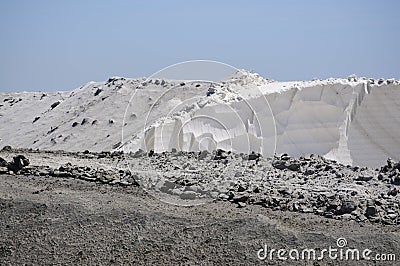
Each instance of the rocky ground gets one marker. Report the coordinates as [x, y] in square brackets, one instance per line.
[114, 208]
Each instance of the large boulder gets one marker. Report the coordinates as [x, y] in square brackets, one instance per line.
[19, 162]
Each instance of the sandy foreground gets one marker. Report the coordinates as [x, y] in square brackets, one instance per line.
[48, 219]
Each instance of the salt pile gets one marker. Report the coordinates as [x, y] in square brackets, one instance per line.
[353, 121]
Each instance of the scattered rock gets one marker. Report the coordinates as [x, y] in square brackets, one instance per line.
[97, 92]
[241, 188]
[370, 211]
[19, 162]
[393, 192]
[54, 105]
[395, 180]
[254, 156]
[309, 171]
[7, 148]
[348, 207]
[278, 184]
[240, 198]
[203, 155]
[210, 92]
[220, 154]
[3, 163]
[139, 153]
[188, 195]
[36, 119]
[365, 176]
[294, 167]
[279, 165]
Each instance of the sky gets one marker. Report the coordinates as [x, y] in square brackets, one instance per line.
[48, 45]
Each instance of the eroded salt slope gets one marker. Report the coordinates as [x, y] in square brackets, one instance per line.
[352, 121]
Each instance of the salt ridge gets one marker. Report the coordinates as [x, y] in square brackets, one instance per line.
[354, 121]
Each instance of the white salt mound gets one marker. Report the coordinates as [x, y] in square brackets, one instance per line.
[354, 121]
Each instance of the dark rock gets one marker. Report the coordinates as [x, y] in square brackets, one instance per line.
[241, 188]
[54, 105]
[284, 191]
[139, 153]
[210, 91]
[393, 192]
[285, 157]
[365, 176]
[309, 171]
[257, 190]
[223, 196]
[52, 129]
[390, 81]
[116, 145]
[3, 163]
[395, 180]
[36, 119]
[279, 165]
[19, 162]
[220, 154]
[294, 167]
[396, 166]
[97, 92]
[74, 124]
[3, 170]
[188, 195]
[240, 198]
[334, 204]
[7, 148]
[241, 204]
[202, 155]
[347, 207]
[371, 211]
[254, 156]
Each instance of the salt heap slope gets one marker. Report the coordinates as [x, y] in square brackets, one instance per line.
[88, 118]
[354, 121]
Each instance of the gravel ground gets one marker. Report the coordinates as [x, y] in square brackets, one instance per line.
[92, 209]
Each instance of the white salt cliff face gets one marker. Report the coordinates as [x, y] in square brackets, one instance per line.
[354, 121]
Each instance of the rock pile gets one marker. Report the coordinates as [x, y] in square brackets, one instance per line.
[308, 184]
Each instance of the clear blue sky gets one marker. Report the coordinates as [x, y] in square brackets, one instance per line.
[60, 45]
